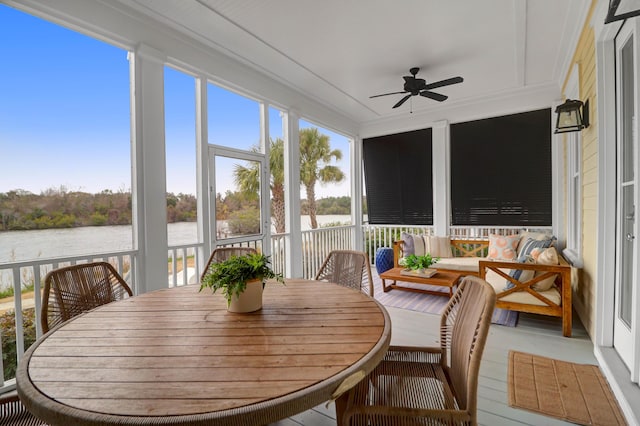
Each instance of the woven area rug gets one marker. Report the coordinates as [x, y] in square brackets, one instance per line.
[577, 393]
[428, 303]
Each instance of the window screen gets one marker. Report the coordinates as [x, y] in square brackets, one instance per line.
[501, 170]
[398, 178]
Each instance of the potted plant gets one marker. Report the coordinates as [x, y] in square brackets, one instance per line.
[419, 263]
[241, 279]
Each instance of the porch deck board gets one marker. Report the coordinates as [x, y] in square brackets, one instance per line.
[535, 334]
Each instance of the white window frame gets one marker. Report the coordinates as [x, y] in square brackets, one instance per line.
[574, 178]
[574, 195]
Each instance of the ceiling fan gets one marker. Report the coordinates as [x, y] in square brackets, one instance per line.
[418, 86]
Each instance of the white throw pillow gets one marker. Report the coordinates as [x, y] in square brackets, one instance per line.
[547, 257]
[438, 246]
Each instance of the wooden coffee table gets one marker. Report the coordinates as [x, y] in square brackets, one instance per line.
[445, 279]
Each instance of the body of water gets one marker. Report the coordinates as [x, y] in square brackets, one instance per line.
[19, 246]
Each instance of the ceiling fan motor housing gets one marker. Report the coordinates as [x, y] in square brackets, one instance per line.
[418, 86]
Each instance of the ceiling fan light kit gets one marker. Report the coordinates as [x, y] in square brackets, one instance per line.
[418, 87]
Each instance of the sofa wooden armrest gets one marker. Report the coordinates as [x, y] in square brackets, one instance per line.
[540, 304]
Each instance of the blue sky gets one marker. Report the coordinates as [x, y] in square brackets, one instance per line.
[64, 114]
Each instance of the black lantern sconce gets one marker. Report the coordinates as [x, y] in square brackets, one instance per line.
[573, 116]
[621, 9]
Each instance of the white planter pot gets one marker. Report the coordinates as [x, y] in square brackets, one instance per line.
[249, 300]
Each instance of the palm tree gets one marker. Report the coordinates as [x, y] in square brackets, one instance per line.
[315, 156]
[247, 180]
[315, 159]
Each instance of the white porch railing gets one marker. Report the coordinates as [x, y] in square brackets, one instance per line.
[180, 257]
[279, 252]
[318, 243]
[376, 236]
[483, 232]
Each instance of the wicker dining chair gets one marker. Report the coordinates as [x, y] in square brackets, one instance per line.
[348, 268]
[223, 253]
[429, 385]
[72, 290]
[13, 413]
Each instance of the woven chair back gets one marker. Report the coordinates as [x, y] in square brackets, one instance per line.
[348, 268]
[223, 253]
[464, 329]
[13, 413]
[72, 290]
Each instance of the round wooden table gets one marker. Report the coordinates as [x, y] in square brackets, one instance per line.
[177, 357]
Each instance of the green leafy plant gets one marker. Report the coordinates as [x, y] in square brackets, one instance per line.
[419, 262]
[231, 276]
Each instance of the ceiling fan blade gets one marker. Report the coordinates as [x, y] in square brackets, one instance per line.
[401, 101]
[386, 94]
[432, 95]
[441, 83]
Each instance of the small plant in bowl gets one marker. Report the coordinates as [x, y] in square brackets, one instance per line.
[419, 262]
[238, 275]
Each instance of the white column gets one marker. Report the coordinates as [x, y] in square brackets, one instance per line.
[202, 170]
[292, 194]
[441, 156]
[149, 205]
[356, 191]
[265, 190]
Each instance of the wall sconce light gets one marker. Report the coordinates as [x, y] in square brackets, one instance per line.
[621, 9]
[573, 116]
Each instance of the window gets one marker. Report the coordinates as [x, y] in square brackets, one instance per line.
[398, 178]
[574, 196]
[180, 139]
[237, 164]
[234, 120]
[276, 167]
[501, 171]
[324, 177]
[64, 136]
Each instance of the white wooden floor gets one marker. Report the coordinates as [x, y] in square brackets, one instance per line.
[534, 334]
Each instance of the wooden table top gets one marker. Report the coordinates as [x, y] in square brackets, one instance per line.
[447, 279]
[176, 356]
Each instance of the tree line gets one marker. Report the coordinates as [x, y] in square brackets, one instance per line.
[59, 208]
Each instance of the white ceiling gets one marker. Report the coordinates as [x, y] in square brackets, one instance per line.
[340, 52]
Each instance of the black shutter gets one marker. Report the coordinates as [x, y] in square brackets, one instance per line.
[501, 170]
[399, 179]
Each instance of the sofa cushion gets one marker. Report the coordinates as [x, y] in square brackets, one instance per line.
[530, 245]
[497, 282]
[408, 246]
[548, 257]
[522, 275]
[423, 244]
[463, 264]
[437, 246]
[503, 247]
[537, 236]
